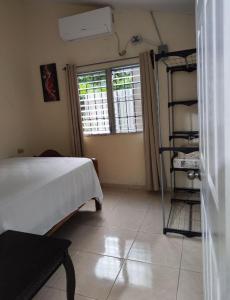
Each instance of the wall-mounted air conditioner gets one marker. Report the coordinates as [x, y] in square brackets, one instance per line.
[88, 24]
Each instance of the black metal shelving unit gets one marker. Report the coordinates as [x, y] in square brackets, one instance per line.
[183, 215]
[184, 134]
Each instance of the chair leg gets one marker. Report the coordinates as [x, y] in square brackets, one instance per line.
[70, 277]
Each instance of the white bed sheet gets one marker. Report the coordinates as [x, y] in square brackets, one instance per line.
[37, 193]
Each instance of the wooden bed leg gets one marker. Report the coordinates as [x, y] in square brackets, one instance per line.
[97, 205]
[95, 163]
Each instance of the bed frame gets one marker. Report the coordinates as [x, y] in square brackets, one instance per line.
[98, 206]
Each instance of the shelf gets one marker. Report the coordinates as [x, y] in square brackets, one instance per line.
[187, 135]
[183, 214]
[183, 68]
[181, 53]
[184, 60]
[186, 197]
[185, 150]
[186, 131]
[177, 61]
[184, 219]
[187, 190]
[186, 233]
[184, 102]
[182, 169]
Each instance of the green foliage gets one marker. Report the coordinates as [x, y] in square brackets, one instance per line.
[122, 81]
[92, 83]
[96, 83]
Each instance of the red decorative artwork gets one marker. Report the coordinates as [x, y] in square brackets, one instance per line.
[49, 82]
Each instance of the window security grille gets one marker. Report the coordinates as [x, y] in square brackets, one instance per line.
[110, 101]
[127, 99]
[93, 102]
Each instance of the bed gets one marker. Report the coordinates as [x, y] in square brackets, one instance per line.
[38, 193]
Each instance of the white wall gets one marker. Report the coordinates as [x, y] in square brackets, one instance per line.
[121, 157]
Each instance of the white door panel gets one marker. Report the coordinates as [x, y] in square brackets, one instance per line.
[213, 43]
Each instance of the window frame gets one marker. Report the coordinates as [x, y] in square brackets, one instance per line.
[110, 101]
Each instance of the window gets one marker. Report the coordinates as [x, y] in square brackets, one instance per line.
[93, 101]
[110, 100]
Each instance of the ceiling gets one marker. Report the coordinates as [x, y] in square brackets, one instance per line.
[185, 6]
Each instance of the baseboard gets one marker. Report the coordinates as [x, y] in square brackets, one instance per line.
[123, 186]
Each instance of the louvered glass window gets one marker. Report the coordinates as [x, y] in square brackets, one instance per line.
[110, 101]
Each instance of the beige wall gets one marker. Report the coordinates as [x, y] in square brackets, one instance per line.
[121, 158]
[14, 84]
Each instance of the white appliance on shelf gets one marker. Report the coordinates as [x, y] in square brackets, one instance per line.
[89, 24]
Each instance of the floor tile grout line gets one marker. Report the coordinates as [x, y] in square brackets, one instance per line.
[145, 214]
[55, 288]
[108, 227]
[134, 240]
[90, 298]
[139, 227]
[61, 290]
[64, 290]
[178, 282]
[146, 211]
[136, 232]
[126, 258]
[192, 271]
[130, 259]
[124, 261]
[99, 254]
[153, 264]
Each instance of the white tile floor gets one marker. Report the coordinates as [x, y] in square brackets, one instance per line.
[121, 254]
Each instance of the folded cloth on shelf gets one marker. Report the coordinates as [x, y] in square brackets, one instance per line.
[187, 161]
[191, 143]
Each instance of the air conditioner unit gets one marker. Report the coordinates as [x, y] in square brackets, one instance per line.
[89, 24]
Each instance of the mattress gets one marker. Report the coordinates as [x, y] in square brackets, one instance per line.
[37, 193]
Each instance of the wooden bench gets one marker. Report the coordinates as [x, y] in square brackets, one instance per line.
[27, 261]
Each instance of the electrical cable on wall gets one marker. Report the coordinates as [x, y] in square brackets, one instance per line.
[134, 40]
[124, 51]
[156, 27]
[138, 39]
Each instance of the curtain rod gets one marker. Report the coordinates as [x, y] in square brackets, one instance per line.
[105, 62]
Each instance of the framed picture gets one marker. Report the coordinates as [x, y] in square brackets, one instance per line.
[49, 82]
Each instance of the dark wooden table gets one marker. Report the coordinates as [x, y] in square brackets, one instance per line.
[27, 261]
